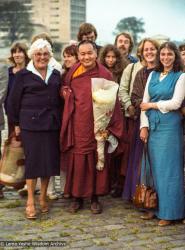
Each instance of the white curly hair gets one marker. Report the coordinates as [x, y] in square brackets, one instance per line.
[39, 44]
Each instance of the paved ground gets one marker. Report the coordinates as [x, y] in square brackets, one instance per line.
[119, 227]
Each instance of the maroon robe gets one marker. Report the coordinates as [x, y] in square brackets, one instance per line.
[78, 144]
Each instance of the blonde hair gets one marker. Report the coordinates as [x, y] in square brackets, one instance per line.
[141, 46]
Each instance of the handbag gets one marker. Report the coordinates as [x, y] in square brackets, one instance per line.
[145, 195]
[12, 164]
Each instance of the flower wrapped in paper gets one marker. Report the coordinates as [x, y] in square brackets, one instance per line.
[104, 94]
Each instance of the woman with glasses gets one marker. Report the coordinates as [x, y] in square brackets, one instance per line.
[35, 109]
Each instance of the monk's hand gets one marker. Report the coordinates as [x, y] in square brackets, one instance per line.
[64, 91]
[144, 134]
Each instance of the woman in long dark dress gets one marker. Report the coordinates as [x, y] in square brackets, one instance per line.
[148, 51]
[34, 108]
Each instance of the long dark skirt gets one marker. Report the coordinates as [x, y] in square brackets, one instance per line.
[119, 163]
[41, 152]
[136, 152]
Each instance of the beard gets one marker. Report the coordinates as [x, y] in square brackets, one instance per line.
[123, 50]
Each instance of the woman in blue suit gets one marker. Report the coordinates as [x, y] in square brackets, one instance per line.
[34, 107]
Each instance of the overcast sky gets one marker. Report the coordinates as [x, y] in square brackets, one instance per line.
[165, 17]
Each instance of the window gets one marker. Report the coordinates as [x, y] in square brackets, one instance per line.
[54, 30]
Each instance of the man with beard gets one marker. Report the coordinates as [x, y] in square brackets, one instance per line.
[124, 42]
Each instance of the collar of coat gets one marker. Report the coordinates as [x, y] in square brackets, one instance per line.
[32, 68]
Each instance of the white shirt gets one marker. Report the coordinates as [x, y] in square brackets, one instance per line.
[167, 105]
[31, 68]
[55, 65]
[52, 64]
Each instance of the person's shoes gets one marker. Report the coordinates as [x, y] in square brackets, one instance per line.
[164, 223]
[52, 196]
[76, 205]
[148, 216]
[116, 193]
[44, 207]
[1, 194]
[96, 207]
[31, 212]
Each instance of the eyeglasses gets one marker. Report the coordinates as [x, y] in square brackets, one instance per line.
[39, 54]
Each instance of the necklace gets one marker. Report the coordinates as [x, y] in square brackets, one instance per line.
[164, 73]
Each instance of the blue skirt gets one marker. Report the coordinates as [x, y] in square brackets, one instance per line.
[42, 153]
[165, 147]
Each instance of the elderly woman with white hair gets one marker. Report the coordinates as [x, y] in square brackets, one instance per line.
[35, 109]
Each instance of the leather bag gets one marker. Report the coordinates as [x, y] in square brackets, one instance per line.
[145, 195]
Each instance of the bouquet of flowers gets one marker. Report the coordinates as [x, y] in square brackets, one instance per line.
[104, 94]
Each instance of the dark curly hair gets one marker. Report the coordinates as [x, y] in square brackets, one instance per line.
[182, 47]
[120, 63]
[177, 65]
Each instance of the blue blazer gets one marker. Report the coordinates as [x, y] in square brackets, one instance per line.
[34, 105]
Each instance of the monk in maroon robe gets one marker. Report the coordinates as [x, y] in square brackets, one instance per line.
[78, 144]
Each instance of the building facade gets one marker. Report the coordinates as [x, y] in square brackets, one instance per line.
[60, 18]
